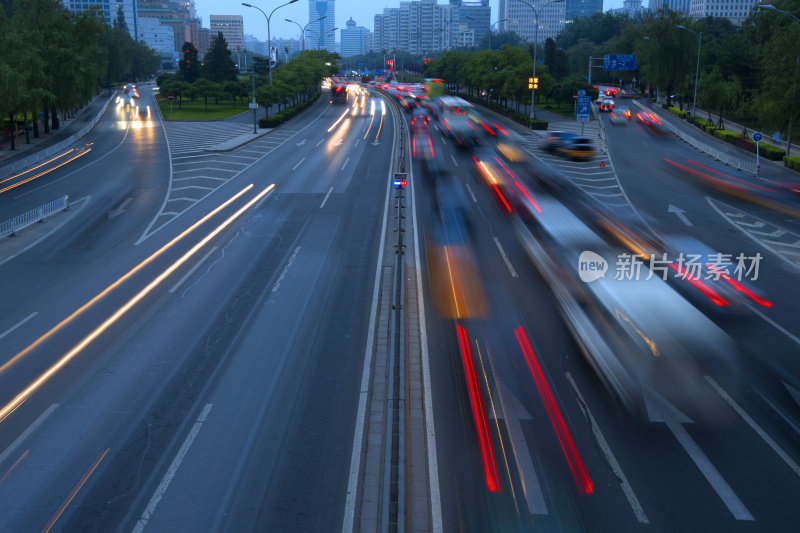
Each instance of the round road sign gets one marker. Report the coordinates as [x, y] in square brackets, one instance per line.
[757, 136]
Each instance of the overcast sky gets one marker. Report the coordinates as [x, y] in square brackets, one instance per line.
[362, 11]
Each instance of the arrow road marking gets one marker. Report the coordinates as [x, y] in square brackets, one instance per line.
[301, 143]
[513, 411]
[121, 209]
[660, 410]
[680, 213]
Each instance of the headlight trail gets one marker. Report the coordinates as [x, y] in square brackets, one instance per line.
[38, 166]
[30, 389]
[338, 120]
[121, 280]
[31, 178]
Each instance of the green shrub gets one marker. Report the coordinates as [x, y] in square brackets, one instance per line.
[725, 135]
[792, 161]
[678, 112]
[772, 153]
[279, 118]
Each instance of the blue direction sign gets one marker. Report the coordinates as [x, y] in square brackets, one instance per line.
[619, 62]
[757, 136]
[583, 111]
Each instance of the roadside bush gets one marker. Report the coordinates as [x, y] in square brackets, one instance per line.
[678, 112]
[725, 135]
[765, 150]
[792, 161]
[279, 118]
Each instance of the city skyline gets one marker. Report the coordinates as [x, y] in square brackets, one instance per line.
[362, 11]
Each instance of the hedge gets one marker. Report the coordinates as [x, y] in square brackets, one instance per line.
[725, 135]
[520, 118]
[678, 112]
[279, 118]
[792, 161]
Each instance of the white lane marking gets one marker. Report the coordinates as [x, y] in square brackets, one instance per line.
[612, 460]
[191, 270]
[24, 435]
[348, 521]
[712, 475]
[173, 469]
[474, 199]
[298, 163]
[775, 324]
[326, 198]
[752, 423]
[454, 160]
[286, 270]
[18, 324]
[345, 163]
[505, 258]
[321, 141]
[357, 141]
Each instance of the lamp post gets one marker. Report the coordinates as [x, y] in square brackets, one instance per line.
[269, 37]
[796, 66]
[490, 28]
[535, 45]
[697, 70]
[303, 33]
[325, 35]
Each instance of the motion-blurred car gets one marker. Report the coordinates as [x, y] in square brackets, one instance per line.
[620, 116]
[607, 104]
[554, 140]
[579, 148]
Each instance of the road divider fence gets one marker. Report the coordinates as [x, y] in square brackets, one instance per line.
[728, 159]
[12, 226]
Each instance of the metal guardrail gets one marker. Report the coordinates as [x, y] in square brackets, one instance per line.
[20, 222]
[728, 159]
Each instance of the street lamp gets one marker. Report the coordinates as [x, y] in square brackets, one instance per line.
[490, 27]
[325, 35]
[796, 65]
[697, 70]
[303, 33]
[269, 38]
[535, 45]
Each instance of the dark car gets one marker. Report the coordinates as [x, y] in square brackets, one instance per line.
[555, 140]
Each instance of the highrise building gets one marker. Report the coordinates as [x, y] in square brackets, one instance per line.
[352, 38]
[521, 19]
[320, 34]
[476, 15]
[159, 37]
[231, 27]
[178, 15]
[581, 8]
[109, 11]
[734, 10]
[632, 8]
[418, 27]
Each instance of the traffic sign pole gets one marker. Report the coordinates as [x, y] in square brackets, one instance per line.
[757, 136]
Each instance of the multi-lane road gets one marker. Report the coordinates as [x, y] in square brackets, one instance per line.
[184, 349]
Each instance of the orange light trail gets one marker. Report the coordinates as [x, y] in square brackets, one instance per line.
[729, 176]
[121, 280]
[39, 165]
[74, 491]
[31, 178]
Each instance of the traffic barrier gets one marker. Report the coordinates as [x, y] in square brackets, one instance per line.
[38, 214]
[747, 166]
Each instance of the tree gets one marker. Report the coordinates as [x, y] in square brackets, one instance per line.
[205, 88]
[217, 63]
[188, 68]
[119, 22]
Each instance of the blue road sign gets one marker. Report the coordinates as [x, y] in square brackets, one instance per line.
[583, 112]
[757, 136]
[379, 72]
[619, 62]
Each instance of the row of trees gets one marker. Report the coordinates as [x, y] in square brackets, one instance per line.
[292, 82]
[52, 60]
[746, 72]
